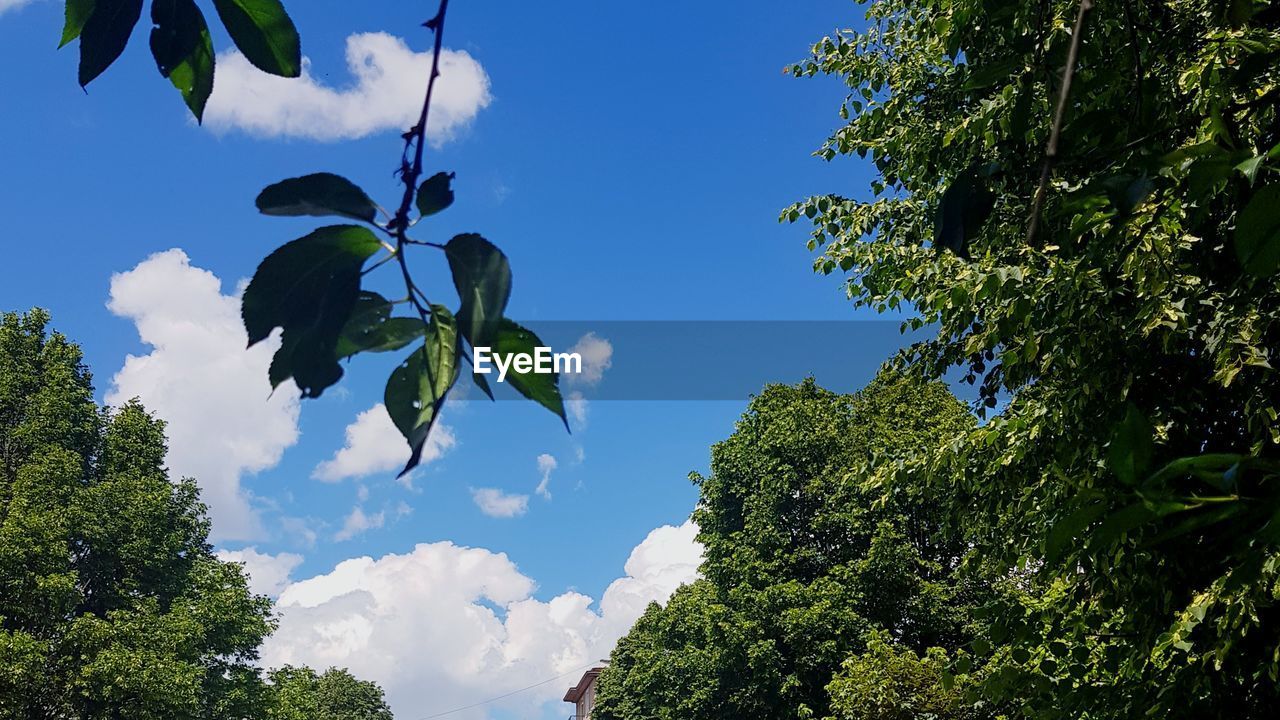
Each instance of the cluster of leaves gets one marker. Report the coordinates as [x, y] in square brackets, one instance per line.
[808, 570]
[112, 602]
[300, 693]
[311, 289]
[180, 39]
[1132, 471]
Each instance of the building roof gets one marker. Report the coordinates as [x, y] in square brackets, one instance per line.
[575, 692]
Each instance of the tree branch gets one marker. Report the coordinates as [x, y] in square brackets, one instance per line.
[1051, 150]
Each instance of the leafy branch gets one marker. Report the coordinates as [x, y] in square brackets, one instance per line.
[311, 288]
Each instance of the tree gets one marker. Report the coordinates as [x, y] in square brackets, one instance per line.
[1081, 199]
[807, 566]
[299, 693]
[112, 603]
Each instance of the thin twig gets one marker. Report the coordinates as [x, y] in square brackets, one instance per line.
[1051, 150]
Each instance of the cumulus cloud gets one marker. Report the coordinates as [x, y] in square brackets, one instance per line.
[495, 503]
[359, 522]
[389, 82]
[546, 464]
[374, 445]
[268, 574]
[443, 626]
[223, 419]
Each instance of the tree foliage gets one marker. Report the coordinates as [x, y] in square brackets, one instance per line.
[807, 566]
[300, 693]
[1127, 318]
[112, 603]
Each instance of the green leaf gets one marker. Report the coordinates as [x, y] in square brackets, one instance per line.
[1249, 168]
[482, 277]
[77, 13]
[1132, 446]
[1119, 523]
[308, 287]
[105, 34]
[1067, 529]
[542, 388]
[965, 206]
[1258, 232]
[1126, 192]
[992, 73]
[372, 329]
[435, 194]
[417, 388]
[264, 33]
[318, 194]
[183, 50]
[483, 384]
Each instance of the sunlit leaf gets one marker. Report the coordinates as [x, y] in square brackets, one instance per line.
[482, 277]
[262, 30]
[77, 13]
[417, 388]
[542, 388]
[308, 288]
[183, 50]
[318, 194]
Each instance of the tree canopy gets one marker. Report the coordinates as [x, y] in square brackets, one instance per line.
[112, 602]
[806, 567]
[1081, 199]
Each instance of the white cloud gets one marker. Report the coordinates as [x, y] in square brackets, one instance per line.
[223, 419]
[546, 464]
[268, 574]
[495, 503]
[374, 445]
[389, 84]
[424, 626]
[577, 406]
[7, 5]
[359, 522]
[597, 356]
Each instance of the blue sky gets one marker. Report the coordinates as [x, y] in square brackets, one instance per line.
[631, 159]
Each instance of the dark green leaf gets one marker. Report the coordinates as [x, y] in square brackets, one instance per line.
[183, 49]
[319, 194]
[965, 206]
[482, 276]
[1126, 192]
[1196, 521]
[992, 73]
[1132, 446]
[1258, 232]
[1067, 529]
[1117, 524]
[372, 329]
[435, 194]
[77, 13]
[308, 287]
[264, 33]
[417, 388]
[105, 35]
[542, 388]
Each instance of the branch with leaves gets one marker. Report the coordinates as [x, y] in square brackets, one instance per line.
[312, 288]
